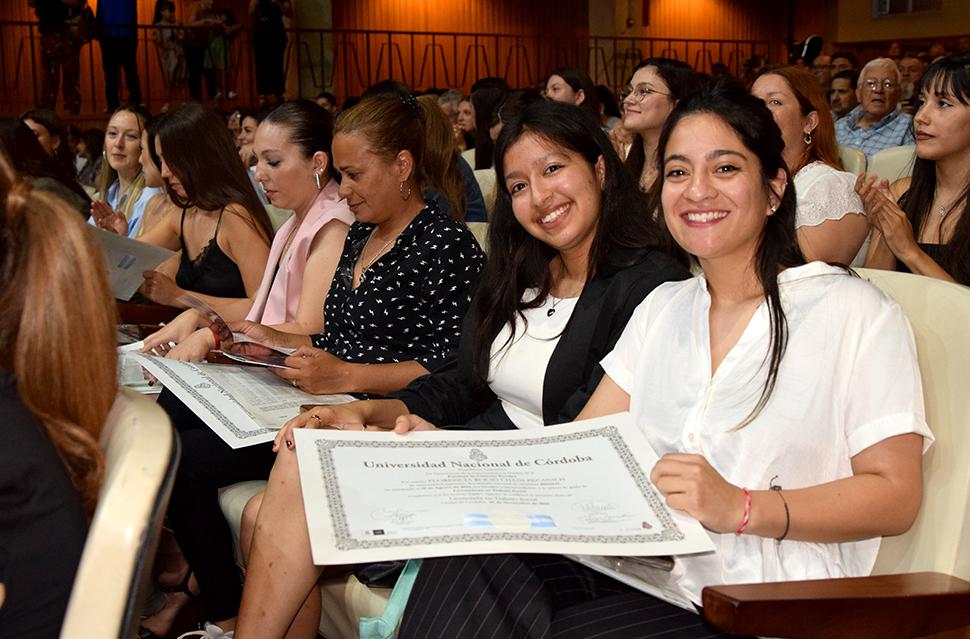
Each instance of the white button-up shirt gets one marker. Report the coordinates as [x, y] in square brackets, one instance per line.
[849, 379]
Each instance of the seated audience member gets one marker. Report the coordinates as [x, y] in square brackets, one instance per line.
[293, 150]
[844, 61]
[466, 122]
[928, 231]
[842, 93]
[450, 179]
[609, 107]
[911, 70]
[754, 330]
[248, 123]
[218, 226]
[44, 172]
[573, 86]
[121, 183]
[89, 149]
[57, 384]
[655, 87]
[829, 220]
[50, 133]
[822, 71]
[449, 102]
[328, 101]
[878, 122]
[157, 206]
[393, 313]
[531, 342]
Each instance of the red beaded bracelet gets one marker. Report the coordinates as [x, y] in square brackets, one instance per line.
[747, 512]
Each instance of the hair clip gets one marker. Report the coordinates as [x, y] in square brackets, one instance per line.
[412, 104]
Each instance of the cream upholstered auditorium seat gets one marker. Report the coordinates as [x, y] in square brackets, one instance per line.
[141, 454]
[277, 216]
[893, 163]
[480, 231]
[486, 182]
[920, 583]
[853, 160]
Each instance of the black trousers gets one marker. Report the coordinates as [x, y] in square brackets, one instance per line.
[268, 55]
[117, 54]
[536, 597]
[205, 538]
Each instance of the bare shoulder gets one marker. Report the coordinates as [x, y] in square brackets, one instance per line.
[333, 233]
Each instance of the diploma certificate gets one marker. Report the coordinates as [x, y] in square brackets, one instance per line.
[580, 488]
[244, 405]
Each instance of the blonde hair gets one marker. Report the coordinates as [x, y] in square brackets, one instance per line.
[108, 175]
[57, 325]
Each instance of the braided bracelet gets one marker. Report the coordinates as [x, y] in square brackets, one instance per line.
[747, 512]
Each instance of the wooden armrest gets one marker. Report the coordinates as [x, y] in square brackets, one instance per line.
[909, 605]
[129, 313]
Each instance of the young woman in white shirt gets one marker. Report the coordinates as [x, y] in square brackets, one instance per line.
[764, 372]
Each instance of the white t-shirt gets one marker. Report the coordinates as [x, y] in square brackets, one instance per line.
[848, 379]
[518, 369]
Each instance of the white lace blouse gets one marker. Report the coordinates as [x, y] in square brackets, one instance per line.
[823, 194]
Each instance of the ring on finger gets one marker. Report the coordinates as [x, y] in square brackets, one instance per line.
[316, 417]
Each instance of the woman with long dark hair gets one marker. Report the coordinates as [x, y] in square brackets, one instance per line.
[570, 257]
[714, 369]
[928, 231]
[573, 86]
[218, 224]
[655, 88]
[487, 95]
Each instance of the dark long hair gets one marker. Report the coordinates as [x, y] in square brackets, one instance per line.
[198, 148]
[950, 76]
[681, 79]
[309, 126]
[579, 80]
[517, 260]
[31, 160]
[487, 95]
[751, 120]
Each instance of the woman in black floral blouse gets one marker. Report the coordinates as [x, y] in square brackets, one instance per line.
[394, 312]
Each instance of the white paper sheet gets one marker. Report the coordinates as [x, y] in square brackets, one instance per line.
[244, 405]
[127, 259]
[580, 488]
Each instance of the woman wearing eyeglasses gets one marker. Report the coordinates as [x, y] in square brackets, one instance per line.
[655, 88]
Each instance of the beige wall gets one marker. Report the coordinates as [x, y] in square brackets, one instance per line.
[856, 24]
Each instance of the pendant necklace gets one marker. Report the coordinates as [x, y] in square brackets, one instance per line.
[555, 302]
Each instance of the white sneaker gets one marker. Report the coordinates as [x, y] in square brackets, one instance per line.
[211, 631]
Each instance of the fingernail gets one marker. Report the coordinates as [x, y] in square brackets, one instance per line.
[289, 444]
[150, 383]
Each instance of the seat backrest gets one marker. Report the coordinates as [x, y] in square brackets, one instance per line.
[141, 455]
[486, 182]
[480, 231]
[853, 160]
[893, 163]
[939, 312]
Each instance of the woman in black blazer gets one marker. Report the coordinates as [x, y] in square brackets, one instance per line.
[572, 252]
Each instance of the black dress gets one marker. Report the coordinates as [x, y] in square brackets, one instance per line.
[269, 47]
[212, 272]
[42, 524]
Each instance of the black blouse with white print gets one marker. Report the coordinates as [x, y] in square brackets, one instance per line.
[411, 302]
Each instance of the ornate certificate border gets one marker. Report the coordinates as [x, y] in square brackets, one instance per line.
[343, 540]
[213, 412]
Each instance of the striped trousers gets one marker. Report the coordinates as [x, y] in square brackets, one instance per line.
[536, 597]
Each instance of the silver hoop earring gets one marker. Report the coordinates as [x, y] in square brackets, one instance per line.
[316, 178]
[405, 195]
[808, 138]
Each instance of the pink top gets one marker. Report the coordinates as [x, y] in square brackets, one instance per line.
[279, 294]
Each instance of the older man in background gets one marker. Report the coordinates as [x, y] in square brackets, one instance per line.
[878, 122]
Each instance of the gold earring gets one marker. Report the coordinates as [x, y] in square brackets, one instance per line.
[405, 195]
[808, 138]
[316, 178]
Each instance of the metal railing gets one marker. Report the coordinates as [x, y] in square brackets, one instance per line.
[346, 61]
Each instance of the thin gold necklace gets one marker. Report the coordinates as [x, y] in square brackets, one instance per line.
[377, 256]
